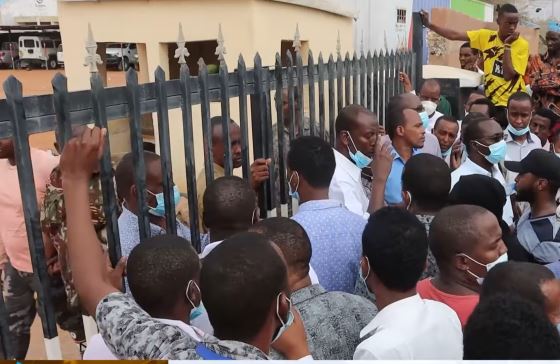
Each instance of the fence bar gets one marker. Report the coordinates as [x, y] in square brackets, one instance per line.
[107, 181]
[398, 68]
[281, 147]
[332, 113]
[223, 74]
[369, 80]
[291, 96]
[14, 98]
[188, 144]
[300, 99]
[390, 69]
[206, 124]
[242, 79]
[60, 99]
[375, 85]
[269, 142]
[311, 81]
[363, 84]
[347, 79]
[356, 80]
[165, 152]
[382, 88]
[321, 74]
[339, 83]
[137, 151]
[417, 46]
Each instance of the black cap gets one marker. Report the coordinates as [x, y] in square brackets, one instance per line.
[539, 162]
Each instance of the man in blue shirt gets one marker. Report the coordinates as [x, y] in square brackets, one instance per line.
[334, 231]
[407, 132]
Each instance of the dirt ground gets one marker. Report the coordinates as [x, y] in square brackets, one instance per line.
[38, 82]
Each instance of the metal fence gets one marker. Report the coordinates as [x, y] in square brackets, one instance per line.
[324, 86]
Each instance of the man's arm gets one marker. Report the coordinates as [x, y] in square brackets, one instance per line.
[381, 168]
[509, 71]
[450, 34]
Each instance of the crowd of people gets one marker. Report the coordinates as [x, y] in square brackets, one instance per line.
[425, 238]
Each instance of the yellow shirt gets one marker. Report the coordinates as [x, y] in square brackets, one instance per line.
[498, 90]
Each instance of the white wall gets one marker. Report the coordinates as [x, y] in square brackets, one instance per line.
[9, 9]
[377, 21]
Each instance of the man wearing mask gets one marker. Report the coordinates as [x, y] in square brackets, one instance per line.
[485, 145]
[519, 139]
[537, 183]
[430, 95]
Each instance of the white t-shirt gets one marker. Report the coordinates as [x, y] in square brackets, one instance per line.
[346, 186]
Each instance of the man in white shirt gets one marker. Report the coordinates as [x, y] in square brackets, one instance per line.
[395, 248]
[430, 95]
[160, 289]
[485, 145]
[519, 139]
[446, 131]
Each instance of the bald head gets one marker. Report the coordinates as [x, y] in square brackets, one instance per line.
[347, 119]
[430, 90]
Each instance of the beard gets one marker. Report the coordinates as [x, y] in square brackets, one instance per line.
[526, 195]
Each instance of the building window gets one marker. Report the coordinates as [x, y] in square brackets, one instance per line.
[401, 16]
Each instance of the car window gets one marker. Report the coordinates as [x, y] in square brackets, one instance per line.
[28, 43]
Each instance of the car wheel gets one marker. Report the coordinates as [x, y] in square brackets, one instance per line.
[53, 63]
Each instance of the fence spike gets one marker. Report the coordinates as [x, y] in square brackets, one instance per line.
[220, 49]
[181, 52]
[92, 59]
[297, 40]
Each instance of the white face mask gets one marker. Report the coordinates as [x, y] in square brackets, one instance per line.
[429, 107]
[501, 259]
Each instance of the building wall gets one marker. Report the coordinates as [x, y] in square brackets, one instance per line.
[248, 26]
[10, 9]
[473, 8]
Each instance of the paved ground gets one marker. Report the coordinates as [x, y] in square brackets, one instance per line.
[38, 82]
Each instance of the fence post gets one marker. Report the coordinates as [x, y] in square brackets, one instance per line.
[224, 96]
[321, 77]
[347, 79]
[311, 82]
[60, 98]
[281, 147]
[355, 80]
[206, 124]
[14, 98]
[332, 113]
[241, 80]
[417, 46]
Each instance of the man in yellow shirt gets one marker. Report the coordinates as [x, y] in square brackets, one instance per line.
[504, 52]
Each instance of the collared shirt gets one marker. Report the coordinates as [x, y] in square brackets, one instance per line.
[129, 231]
[540, 236]
[393, 188]
[98, 350]
[131, 333]
[336, 241]
[346, 186]
[332, 321]
[516, 151]
[412, 329]
[469, 167]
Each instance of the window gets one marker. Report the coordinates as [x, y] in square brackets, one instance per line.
[28, 43]
[401, 16]
[132, 46]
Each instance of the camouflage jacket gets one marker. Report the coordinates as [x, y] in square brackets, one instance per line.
[53, 223]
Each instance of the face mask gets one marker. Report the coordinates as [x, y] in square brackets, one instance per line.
[425, 119]
[501, 259]
[367, 274]
[409, 200]
[360, 159]
[289, 319]
[497, 151]
[429, 107]
[293, 193]
[517, 132]
[159, 210]
[197, 310]
[446, 153]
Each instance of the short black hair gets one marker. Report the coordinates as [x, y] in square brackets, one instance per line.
[430, 82]
[345, 120]
[428, 179]
[124, 173]
[548, 114]
[508, 327]
[161, 266]
[473, 130]
[506, 8]
[228, 203]
[520, 96]
[217, 121]
[290, 237]
[396, 245]
[452, 232]
[446, 118]
[468, 45]
[487, 102]
[313, 159]
[520, 278]
[240, 280]
[395, 114]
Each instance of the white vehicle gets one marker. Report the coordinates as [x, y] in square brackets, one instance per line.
[121, 55]
[60, 56]
[41, 51]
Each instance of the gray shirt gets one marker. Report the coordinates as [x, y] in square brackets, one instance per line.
[332, 321]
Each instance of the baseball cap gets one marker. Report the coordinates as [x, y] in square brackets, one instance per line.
[539, 162]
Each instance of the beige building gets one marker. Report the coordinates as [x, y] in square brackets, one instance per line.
[248, 26]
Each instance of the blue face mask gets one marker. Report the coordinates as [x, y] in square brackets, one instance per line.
[197, 310]
[289, 320]
[159, 210]
[360, 159]
[293, 193]
[425, 119]
[517, 132]
[497, 151]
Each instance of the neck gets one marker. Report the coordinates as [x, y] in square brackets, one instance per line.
[298, 284]
[454, 285]
[520, 138]
[417, 210]
[314, 195]
[217, 234]
[341, 148]
[543, 207]
[385, 297]
[481, 161]
[403, 149]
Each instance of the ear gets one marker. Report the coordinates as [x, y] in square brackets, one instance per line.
[542, 184]
[460, 262]
[283, 307]
[344, 138]
[193, 295]
[132, 192]
[406, 198]
[399, 130]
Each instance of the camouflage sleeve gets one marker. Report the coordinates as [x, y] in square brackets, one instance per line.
[130, 333]
[52, 210]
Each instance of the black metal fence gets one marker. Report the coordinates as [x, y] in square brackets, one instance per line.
[324, 88]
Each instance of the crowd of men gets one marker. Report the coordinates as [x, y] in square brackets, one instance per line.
[425, 238]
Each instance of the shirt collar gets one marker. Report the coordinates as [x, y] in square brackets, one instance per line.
[509, 137]
[133, 219]
[307, 293]
[319, 205]
[476, 169]
[389, 313]
[396, 154]
[347, 165]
